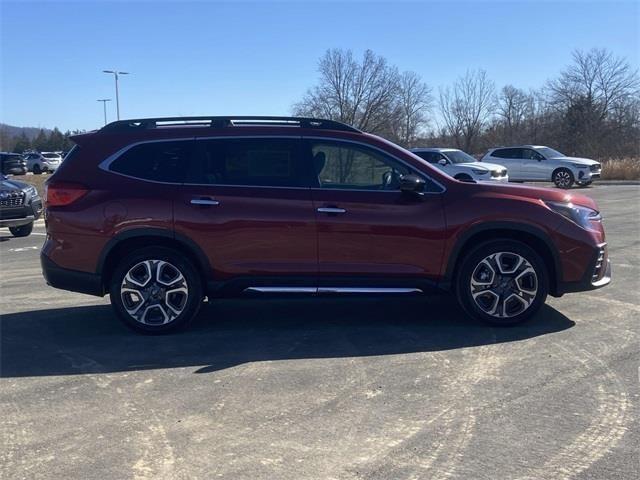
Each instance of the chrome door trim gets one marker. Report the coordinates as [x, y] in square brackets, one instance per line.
[204, 201]
[333, 210]
[281, 289]
[361, 290]
[367, 290]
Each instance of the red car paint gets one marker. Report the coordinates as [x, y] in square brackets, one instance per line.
[277, 233]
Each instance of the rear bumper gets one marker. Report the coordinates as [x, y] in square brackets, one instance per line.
[597, 275]
[71, 280]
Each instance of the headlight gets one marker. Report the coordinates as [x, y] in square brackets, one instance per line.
[477, 171]
[582, 216]
[580, 165]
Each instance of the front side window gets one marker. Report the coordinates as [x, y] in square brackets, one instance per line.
[550, 152]
[268, 162]
[431, 157]
[346, 166]
[157, 161]
[529, 154]
[458, 156]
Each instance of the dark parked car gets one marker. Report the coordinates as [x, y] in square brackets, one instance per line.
[20, 206]
[12, 163]
[160, 213]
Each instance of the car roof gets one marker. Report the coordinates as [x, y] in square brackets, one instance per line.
[434, 149]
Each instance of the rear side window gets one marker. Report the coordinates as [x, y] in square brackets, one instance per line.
[265, 162]
[157, 161]
[507, 153]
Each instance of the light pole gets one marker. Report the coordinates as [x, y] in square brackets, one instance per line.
[104, 105]
[115, 75]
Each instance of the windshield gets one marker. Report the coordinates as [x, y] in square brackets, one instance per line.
[458, 156]
[549, 152]
[50, 155]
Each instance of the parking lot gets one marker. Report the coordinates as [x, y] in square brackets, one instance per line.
[310, 388]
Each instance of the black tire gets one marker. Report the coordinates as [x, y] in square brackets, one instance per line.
[505, 313]
[463, 178]
[563, 178]
[176, 262]
[36, 169]
[22, 231]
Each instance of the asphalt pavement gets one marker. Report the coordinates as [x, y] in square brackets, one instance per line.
[323, 388]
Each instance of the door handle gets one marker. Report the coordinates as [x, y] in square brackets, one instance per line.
[331, 210]
[205, 201]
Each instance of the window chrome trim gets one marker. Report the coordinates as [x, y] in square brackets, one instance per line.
[106, 163]
[403, 162]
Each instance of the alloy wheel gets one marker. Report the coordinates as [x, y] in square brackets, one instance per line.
[154, 292]
[563, 179]
[504, 284]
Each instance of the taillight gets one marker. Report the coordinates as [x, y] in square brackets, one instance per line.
[60, 194]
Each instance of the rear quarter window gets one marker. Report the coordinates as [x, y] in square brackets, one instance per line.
[156, 161]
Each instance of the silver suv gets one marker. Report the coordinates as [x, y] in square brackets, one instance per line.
[539, 163]
[461, 165]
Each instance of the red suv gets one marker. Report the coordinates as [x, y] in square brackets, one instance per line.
[161, 213]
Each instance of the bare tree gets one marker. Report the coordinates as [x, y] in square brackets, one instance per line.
[592, 94]
[598, 78]
[413, 103]
[466, 107]
[361, 93]
[514, 106]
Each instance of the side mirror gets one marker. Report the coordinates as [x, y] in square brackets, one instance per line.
[442, 162]
[412, 184]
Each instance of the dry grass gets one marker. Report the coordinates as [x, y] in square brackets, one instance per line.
[36, 180]
[621, 169]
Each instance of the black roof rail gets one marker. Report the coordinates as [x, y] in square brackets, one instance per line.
[222, 122]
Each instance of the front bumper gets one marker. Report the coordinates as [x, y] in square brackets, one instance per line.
[21, 215]
[597, 275]
[17, 222]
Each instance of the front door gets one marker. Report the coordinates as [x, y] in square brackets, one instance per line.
[370, 233]
[247, 204]
[534, 165]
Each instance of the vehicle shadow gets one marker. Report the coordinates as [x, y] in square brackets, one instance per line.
[89, 339]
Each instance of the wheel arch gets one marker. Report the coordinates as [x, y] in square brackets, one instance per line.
[529, 235]
[130, 240]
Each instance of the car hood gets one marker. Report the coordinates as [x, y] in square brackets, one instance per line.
[539, 193]
[13, 185]
[486, 165]
[583, 161]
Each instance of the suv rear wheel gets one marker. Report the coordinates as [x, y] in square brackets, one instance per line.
[502, 282]
[156, 290]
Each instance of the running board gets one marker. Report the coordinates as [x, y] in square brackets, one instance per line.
[359, 290]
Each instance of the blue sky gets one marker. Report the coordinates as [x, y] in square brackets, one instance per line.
[197, 58]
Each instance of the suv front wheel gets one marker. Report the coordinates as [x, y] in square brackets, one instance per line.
[563, 178]
[502, 282]
[156, 290]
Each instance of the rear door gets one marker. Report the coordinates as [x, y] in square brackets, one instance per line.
[510, 158]
[370, 233]
[247, 203]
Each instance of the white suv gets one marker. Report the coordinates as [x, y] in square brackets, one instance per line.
[538, 163]
[460, 165]
[43, 162]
